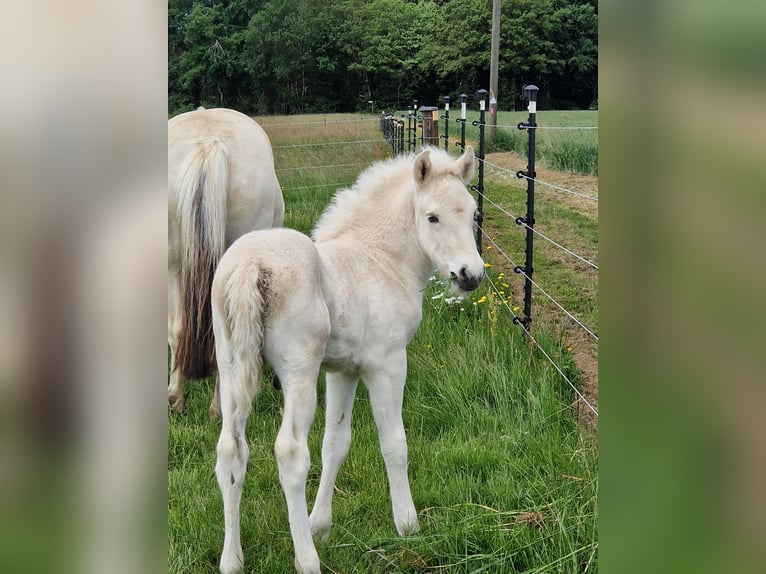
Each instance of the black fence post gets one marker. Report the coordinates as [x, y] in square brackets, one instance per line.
[410, 114]
[481, 95]
[461, 120]
[401, 135]
[445, 117]
[530, 94]
[388, 125]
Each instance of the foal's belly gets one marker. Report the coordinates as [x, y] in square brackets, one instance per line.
[340, 358]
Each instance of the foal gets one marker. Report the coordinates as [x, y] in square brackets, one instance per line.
[347, 303]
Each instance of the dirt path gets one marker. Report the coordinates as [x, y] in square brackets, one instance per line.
[583, 347]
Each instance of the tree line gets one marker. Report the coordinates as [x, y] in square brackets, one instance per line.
[307, 56]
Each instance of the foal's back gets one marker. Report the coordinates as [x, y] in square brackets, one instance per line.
[281, 267]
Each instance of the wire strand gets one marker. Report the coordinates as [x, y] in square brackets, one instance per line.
[523, 274]
[321, 166]
[380, 140]
[591, 197]
[547, 356]
[536, 232]
[338, 185]
[325, 122]
[506, 170]
[528, 127]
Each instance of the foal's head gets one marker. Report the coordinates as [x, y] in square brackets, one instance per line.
[444, 216]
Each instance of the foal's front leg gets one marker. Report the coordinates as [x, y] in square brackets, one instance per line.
[386, 388]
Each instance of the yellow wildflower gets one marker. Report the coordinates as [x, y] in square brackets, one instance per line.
[487, 265]
[516, 308]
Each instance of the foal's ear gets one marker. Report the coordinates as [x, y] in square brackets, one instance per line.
[422, 168]
[466, 163]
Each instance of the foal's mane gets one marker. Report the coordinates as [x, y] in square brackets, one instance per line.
[379, 186]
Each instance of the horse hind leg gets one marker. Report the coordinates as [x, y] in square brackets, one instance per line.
[237, 386]
[292, 453]
[176, 399]
[232, 452]
[215, 404]
[176, 383]
[238, 380]
[341, 390]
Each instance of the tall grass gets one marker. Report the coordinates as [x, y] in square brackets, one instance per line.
[502, 476]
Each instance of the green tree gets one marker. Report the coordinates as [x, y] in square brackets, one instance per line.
[287, 56]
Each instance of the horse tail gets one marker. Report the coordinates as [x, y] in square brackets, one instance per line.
[243, 313]
[202, 190]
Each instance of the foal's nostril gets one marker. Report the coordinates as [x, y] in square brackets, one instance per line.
[467, 281]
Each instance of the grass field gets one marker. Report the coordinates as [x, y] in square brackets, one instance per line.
[574, 151]
[502, 474]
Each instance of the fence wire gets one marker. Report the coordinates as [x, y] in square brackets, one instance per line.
[528, 127]
[540, 347]
[287, 146]
[316, 123]
[536, 232]
[495, 245]
[556, 187]
[519, 269]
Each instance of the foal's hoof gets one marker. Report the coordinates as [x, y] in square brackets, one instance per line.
[408, 528]
[232, 564]
[176, 402]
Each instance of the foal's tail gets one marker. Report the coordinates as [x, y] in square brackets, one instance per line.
[243, 313]
[202, 186]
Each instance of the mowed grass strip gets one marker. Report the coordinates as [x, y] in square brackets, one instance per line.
[503, 477]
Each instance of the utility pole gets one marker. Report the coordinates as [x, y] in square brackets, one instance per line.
[494, 60]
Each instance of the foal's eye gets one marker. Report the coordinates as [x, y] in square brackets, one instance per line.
[433, 219]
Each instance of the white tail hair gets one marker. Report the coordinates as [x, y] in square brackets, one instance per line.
[246, 307]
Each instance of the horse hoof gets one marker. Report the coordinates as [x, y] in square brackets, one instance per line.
[176, 403]
[311, 567]
[408, 528]
[232, 564]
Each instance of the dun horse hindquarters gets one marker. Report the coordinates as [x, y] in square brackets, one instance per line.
[221, 184]
[348, 303]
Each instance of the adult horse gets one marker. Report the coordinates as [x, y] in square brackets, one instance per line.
[221, 184]
[347, 302]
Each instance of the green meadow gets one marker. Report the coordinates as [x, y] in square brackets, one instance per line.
[503, 474]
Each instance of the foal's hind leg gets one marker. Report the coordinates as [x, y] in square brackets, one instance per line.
[232, 452]
[386, 388]
[341, 389]
[292, 452]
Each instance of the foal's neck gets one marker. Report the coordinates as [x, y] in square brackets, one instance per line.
[399, 246]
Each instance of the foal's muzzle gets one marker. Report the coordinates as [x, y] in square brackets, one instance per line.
[466, 280]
